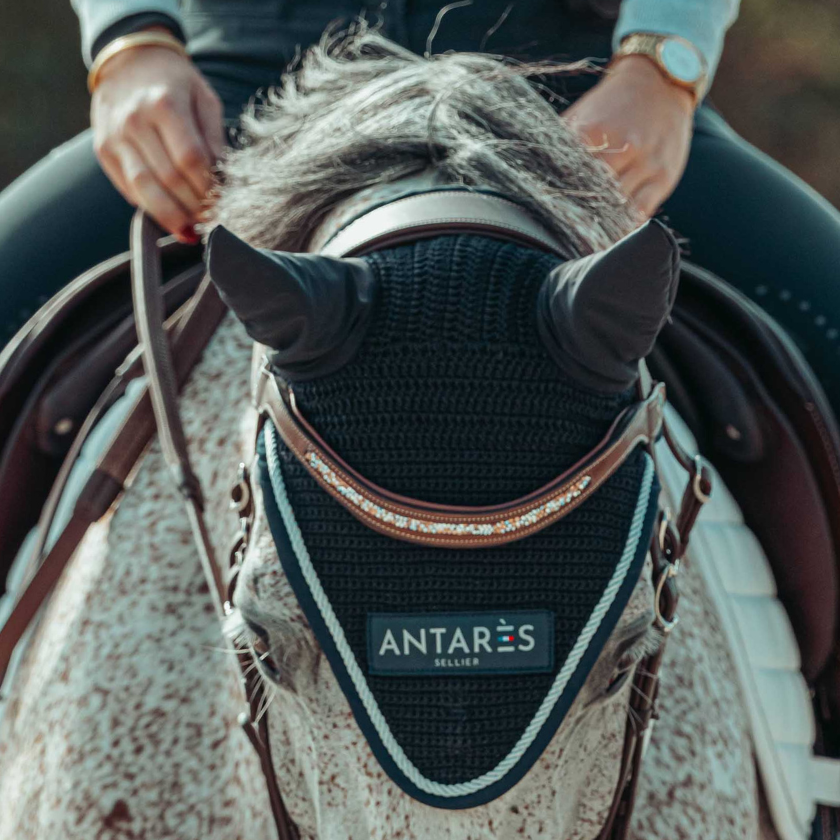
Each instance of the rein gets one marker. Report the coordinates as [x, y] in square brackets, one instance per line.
[145, 287]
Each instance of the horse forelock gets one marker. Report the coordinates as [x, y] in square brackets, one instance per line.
[360, 110]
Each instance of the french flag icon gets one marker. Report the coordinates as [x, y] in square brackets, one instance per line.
[505, 636]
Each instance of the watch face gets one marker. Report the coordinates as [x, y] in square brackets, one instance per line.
[681, 60]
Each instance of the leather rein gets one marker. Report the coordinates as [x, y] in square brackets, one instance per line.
[168, 355]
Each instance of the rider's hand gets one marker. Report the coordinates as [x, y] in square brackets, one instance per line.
[157, 127]
[640, 124]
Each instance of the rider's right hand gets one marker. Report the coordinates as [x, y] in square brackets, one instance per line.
[157, 128]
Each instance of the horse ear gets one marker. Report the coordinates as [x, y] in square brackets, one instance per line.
[599, 315]
[312, 311]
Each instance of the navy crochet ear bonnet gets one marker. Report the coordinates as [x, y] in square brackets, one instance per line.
[459, 666]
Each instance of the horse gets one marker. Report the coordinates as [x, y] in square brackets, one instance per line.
[439, 368]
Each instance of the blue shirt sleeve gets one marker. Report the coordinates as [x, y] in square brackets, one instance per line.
[95, 16]
[703, 22]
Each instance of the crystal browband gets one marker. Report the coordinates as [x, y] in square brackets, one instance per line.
[480, 529]
[427, 523]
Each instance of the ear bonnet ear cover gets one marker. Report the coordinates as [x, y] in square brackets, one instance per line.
[312, 311]
[459, 665]
[599, 315]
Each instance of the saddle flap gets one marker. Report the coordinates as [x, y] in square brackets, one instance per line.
[52, 373]
[753, 404]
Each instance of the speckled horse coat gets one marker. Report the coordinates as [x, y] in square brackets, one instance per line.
[122, 722]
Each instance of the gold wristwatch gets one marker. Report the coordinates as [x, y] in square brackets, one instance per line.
[676, 58]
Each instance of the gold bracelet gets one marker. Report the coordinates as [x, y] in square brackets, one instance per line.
[128, 42]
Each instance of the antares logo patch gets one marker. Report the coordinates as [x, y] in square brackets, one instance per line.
[512, 642]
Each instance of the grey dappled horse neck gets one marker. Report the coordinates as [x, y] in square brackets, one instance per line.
[450, 393]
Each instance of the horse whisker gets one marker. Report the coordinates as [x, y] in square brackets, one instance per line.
[269, 699]
[228, 650]
[635, 720]
[648, 698]
[646, 673]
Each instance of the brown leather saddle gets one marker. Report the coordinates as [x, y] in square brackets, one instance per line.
[738, 381]
[59, 366]
[761, 417]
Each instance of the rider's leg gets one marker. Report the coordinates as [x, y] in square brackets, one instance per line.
[762, 229]
[57, 219]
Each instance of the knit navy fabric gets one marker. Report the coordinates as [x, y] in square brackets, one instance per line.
[453, 399]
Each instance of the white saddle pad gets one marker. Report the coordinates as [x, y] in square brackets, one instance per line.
[739, 579]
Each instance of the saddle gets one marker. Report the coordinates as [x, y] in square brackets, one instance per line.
[741, 385]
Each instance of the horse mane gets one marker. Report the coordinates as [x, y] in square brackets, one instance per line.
[358, 109]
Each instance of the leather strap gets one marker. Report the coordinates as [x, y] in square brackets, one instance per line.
[157, 359]
[191, 329]
[442, 211]
[412, 520]
[130, 368]
[668, 545]
[145, 276]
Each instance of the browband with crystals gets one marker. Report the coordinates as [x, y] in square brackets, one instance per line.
[453, 526]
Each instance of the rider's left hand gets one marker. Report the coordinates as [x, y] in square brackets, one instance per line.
[640, 124]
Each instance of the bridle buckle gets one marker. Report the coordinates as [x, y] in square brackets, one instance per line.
[665, 599]
[667, 567]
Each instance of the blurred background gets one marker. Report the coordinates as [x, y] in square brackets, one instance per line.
[778, 84]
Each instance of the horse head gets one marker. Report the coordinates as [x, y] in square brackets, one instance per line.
[463, 371]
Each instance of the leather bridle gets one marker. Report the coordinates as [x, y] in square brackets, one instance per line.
[169, 353]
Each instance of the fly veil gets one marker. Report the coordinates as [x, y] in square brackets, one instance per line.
[460, 624]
